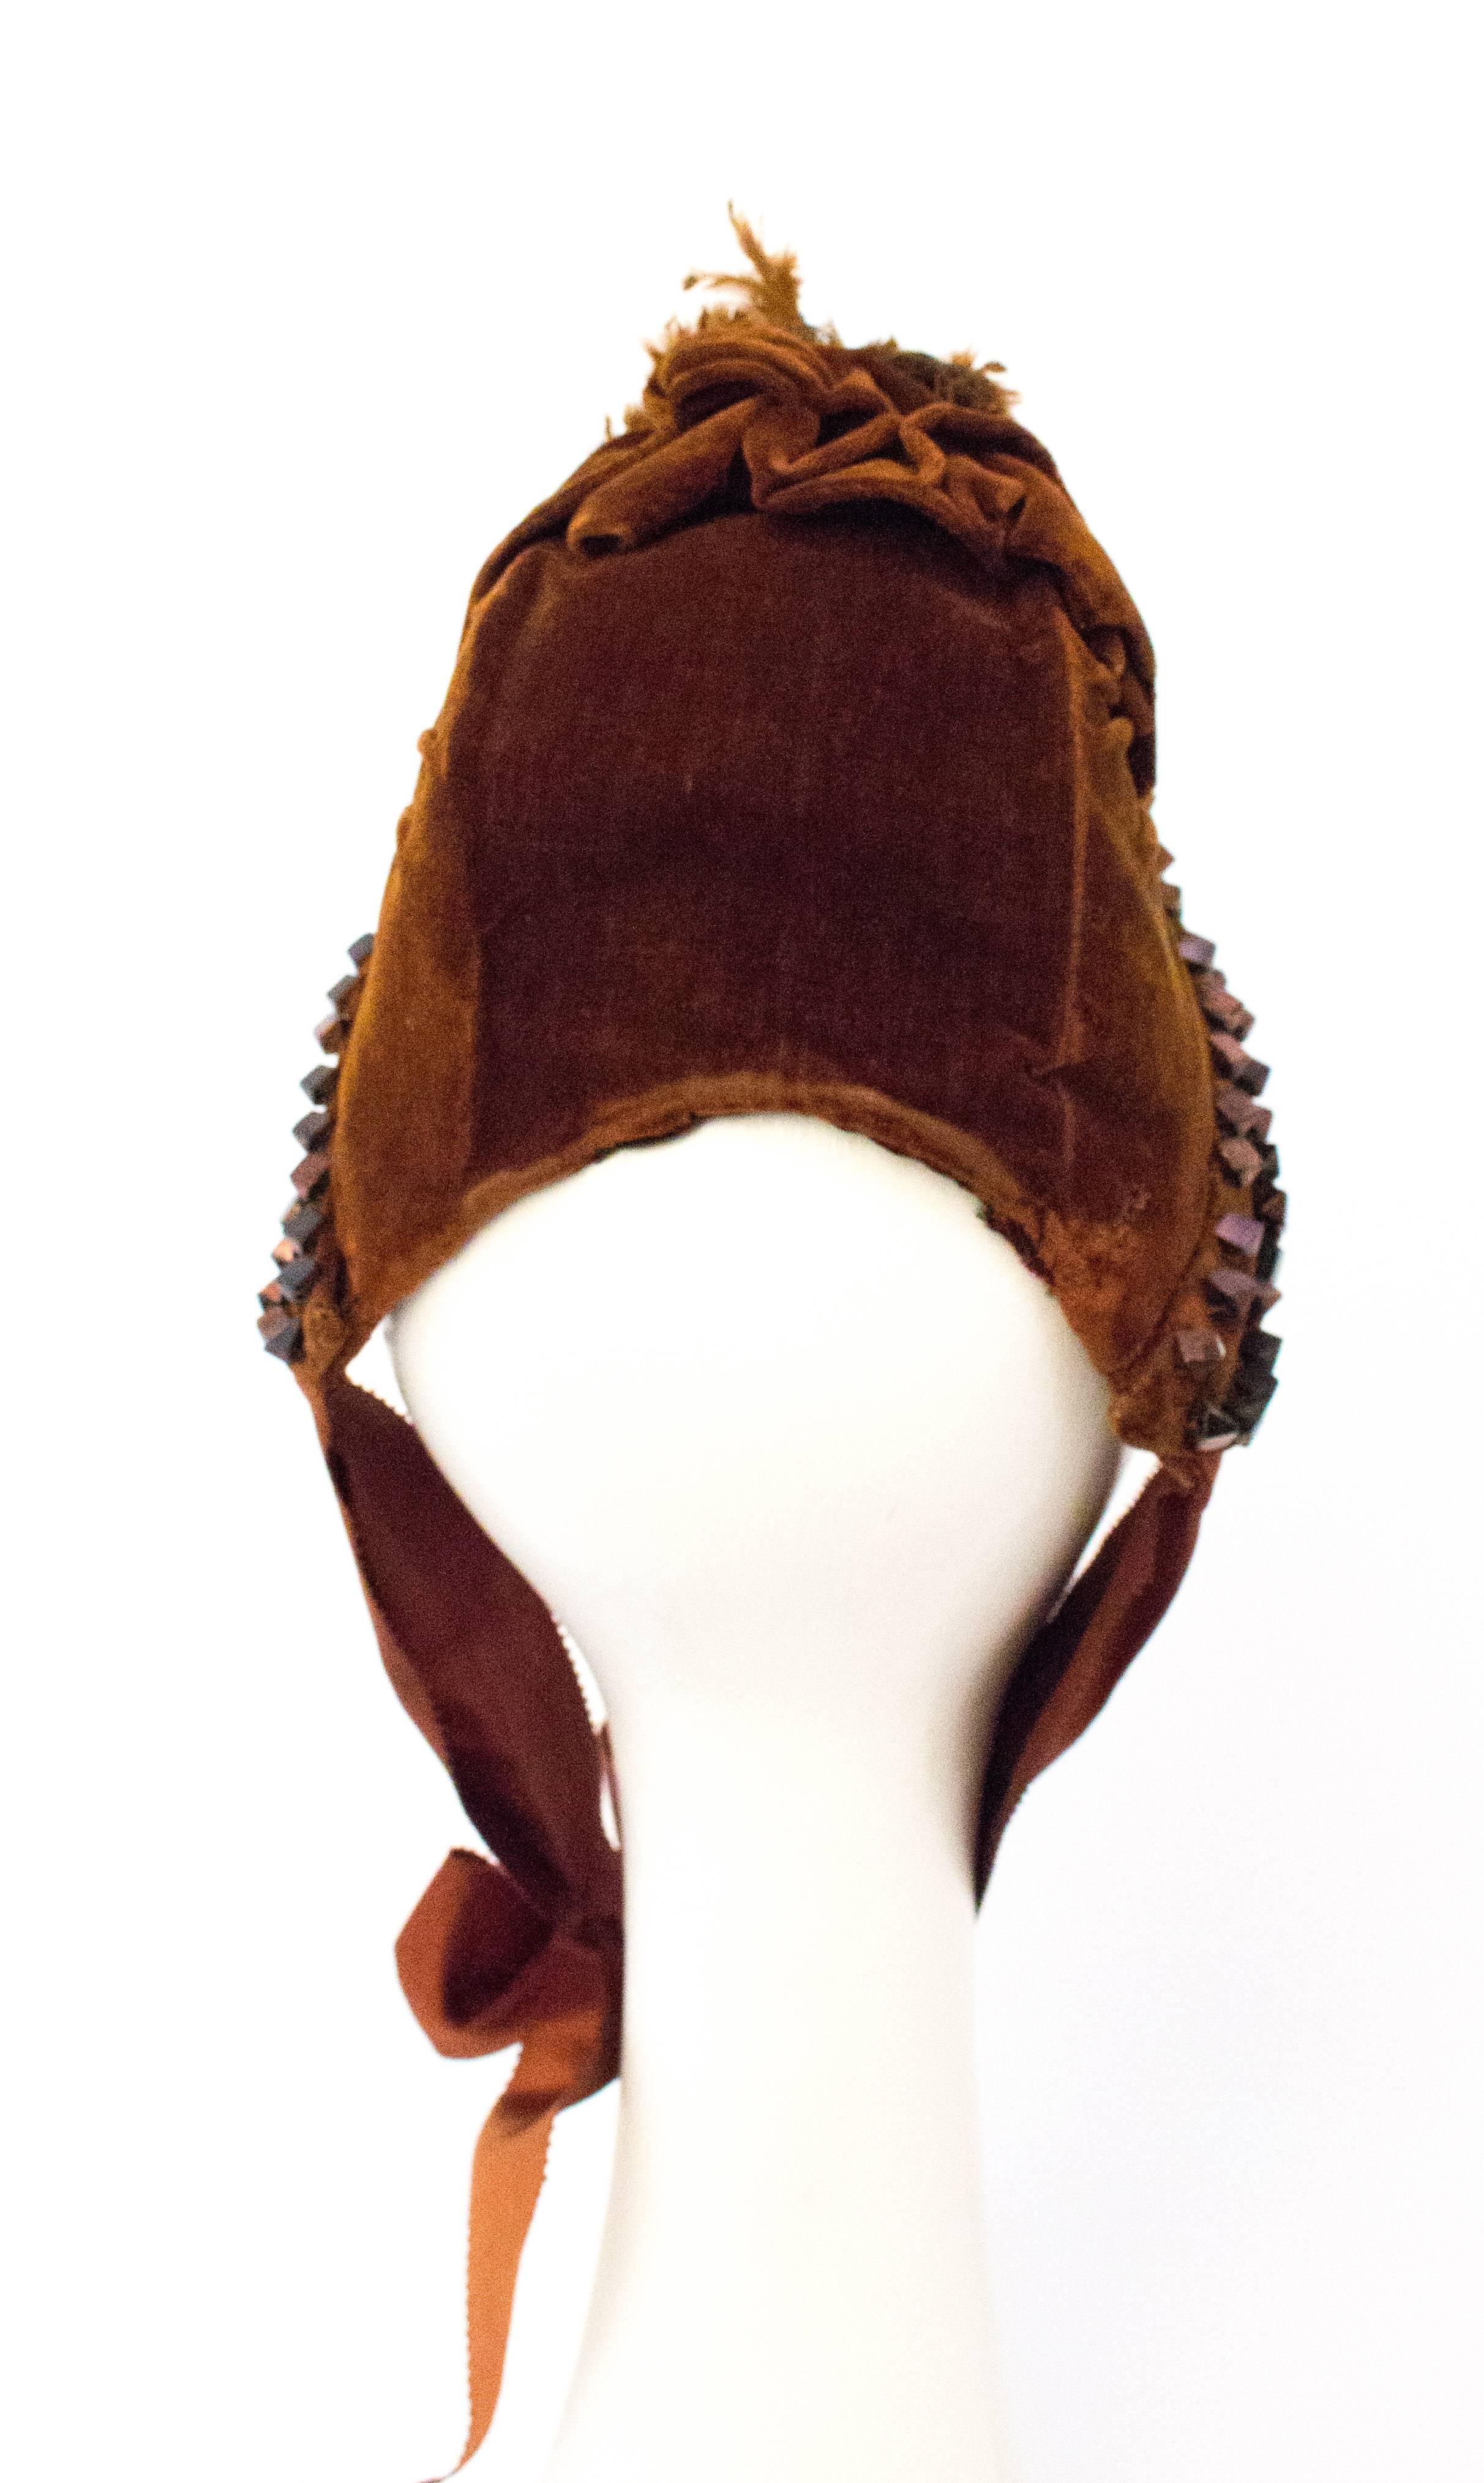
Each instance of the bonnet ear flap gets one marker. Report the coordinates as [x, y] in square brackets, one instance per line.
[476, 1657]
[527, 1948]
[1078, 1656]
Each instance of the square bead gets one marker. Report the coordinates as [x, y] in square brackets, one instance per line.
[1230, 1290]
[281, 1334]
[1238, 1065]
[1241, 1159]
[1215, 1429]
[299, 1278]
[321, 1082]
[1242, 1234]
[310, 1173]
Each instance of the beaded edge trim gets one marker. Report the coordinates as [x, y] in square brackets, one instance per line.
[306, 1256]
[1229, 1345]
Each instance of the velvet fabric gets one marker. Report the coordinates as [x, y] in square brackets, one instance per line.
[798, 756]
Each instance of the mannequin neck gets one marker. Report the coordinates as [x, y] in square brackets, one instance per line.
[796, 2191]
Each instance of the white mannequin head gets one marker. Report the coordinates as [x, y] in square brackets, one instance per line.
[767, 1397]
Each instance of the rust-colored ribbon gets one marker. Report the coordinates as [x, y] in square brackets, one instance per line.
[475, 1983]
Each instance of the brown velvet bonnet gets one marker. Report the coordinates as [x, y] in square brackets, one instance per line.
[798, 756]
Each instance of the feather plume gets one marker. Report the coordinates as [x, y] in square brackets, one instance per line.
[772, 300]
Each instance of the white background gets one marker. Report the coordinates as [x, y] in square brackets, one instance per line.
[306, 305]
